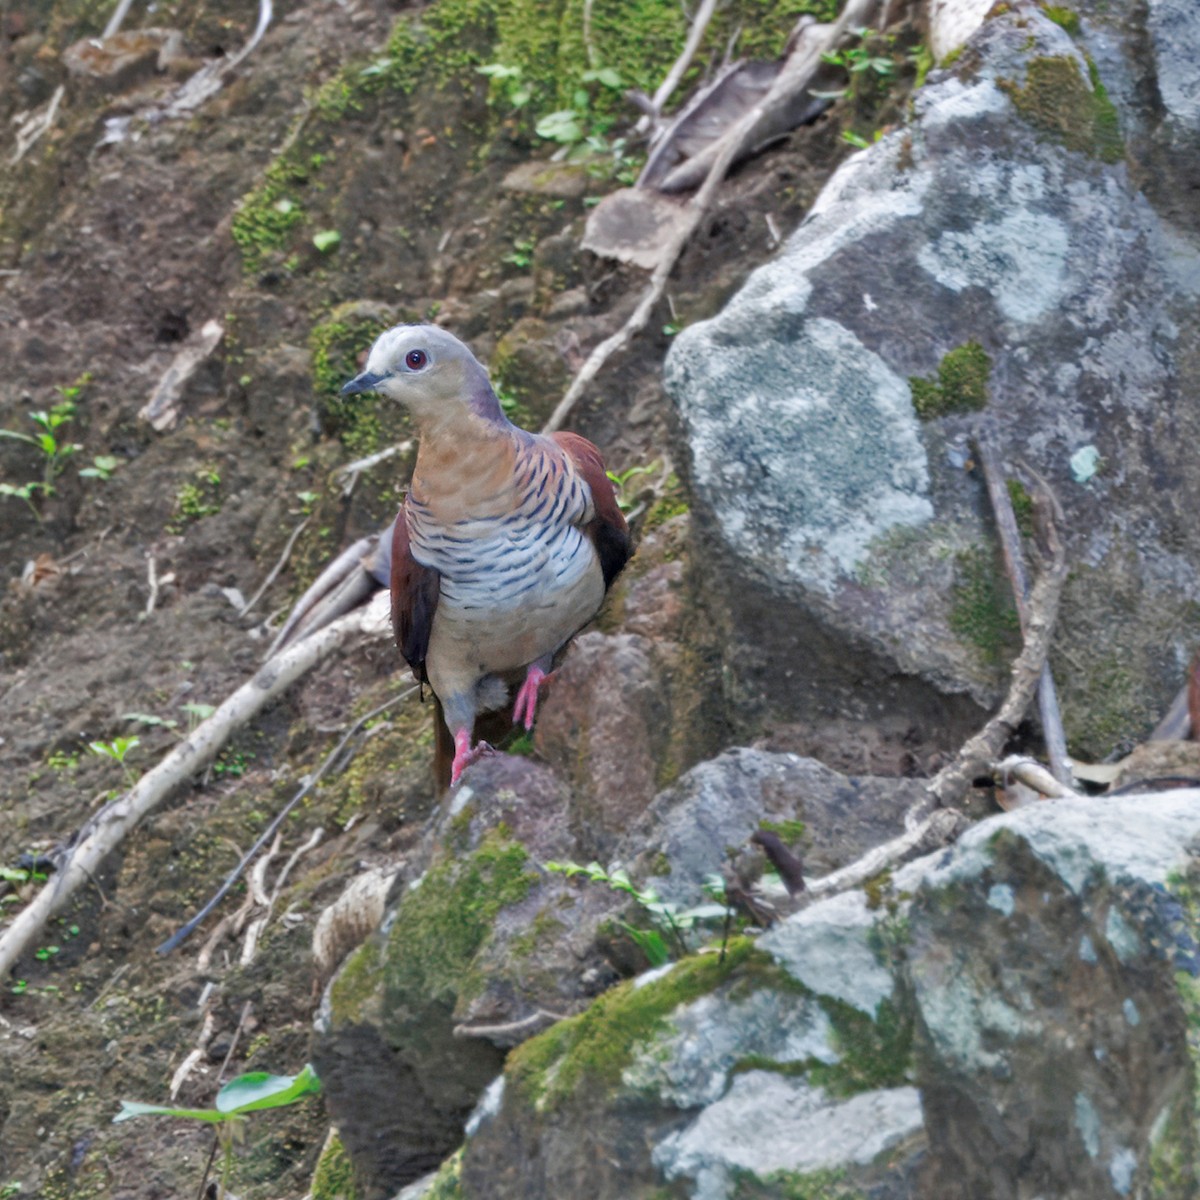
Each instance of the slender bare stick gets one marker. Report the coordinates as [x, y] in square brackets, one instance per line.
[977, 755]
[1010, 543]
[178, 936]
[695, 36]
[727, 150]
[110, 826]
[270, 579]
[119, 15]
[931, 822]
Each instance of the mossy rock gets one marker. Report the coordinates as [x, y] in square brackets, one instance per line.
[796, 1185]
[439, 928]
[588, 1053]
[1058, 102]
[338, 345]
[982, 612]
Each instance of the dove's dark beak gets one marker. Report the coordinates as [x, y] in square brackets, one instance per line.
[366, 382]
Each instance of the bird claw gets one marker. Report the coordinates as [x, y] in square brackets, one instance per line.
[527, 697]
[465, 754]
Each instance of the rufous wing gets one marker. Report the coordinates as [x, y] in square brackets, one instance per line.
[415, 591]
[607, 529]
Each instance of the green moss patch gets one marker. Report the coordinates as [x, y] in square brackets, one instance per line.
[591, 1051]
[447, 1183]
[982, 610]
[795, 1185]
[336, 345]
[443, 923]
[333, 1178]
[961, 384]
[873, 1053]
[1066, 18]
[1058, 102]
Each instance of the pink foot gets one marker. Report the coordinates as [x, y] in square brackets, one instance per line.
[527, 697]
[465, 755]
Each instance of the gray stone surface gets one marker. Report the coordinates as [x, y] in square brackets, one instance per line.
[1053, 965]
[831, 948]
[718, 804]
[769, 1123]
[690, 1066]
[830, 503]
[1175, 28]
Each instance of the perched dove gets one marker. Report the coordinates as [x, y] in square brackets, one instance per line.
[505, 546]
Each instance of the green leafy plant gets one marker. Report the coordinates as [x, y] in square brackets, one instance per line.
[199, 497]
[673, 922]
[53, 448]
[248, 1093]
[103, 466]
[117, 749]
[509, 83]
[858, 60]
[574, 125]
[622, 479]
[522, 253]
[326, 240]
[233, 763]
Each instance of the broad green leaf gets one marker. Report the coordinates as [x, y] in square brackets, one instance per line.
[651, 944]
[131, 1108]
[326, 240]
[258, 1089]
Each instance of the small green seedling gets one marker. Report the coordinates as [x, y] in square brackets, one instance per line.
[103, 466]
[245, 1094]
[621, 480]
[117, 749]
[54, 450]
[509, 82]
[673, 921]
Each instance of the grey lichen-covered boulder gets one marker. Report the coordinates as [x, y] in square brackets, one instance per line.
[827, 818]
[997, 251]
[482, 938]
[1012, 1017]
[1055, 973]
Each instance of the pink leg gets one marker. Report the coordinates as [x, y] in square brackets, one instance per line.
[465, 755]
[527, 698]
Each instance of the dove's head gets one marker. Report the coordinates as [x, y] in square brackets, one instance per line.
[430, 372]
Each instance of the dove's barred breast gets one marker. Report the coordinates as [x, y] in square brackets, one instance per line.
[522, 552]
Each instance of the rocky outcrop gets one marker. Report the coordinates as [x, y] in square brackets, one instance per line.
[1008, 1018]
[996, 254]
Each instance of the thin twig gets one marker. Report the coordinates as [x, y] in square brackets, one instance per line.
[932, 822]
[247, 1008]
[1010, 543]
[176, 938]
[588, 45]
[695, 36]
[255, 929]
[119, 14]
[1033, 775]
[977, 755]
[185, 1068]
[541, 1017]
[270, 579]
[727, 150]
[108, 828]
[34, 126]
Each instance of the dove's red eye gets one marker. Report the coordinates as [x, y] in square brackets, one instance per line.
[415, 359]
